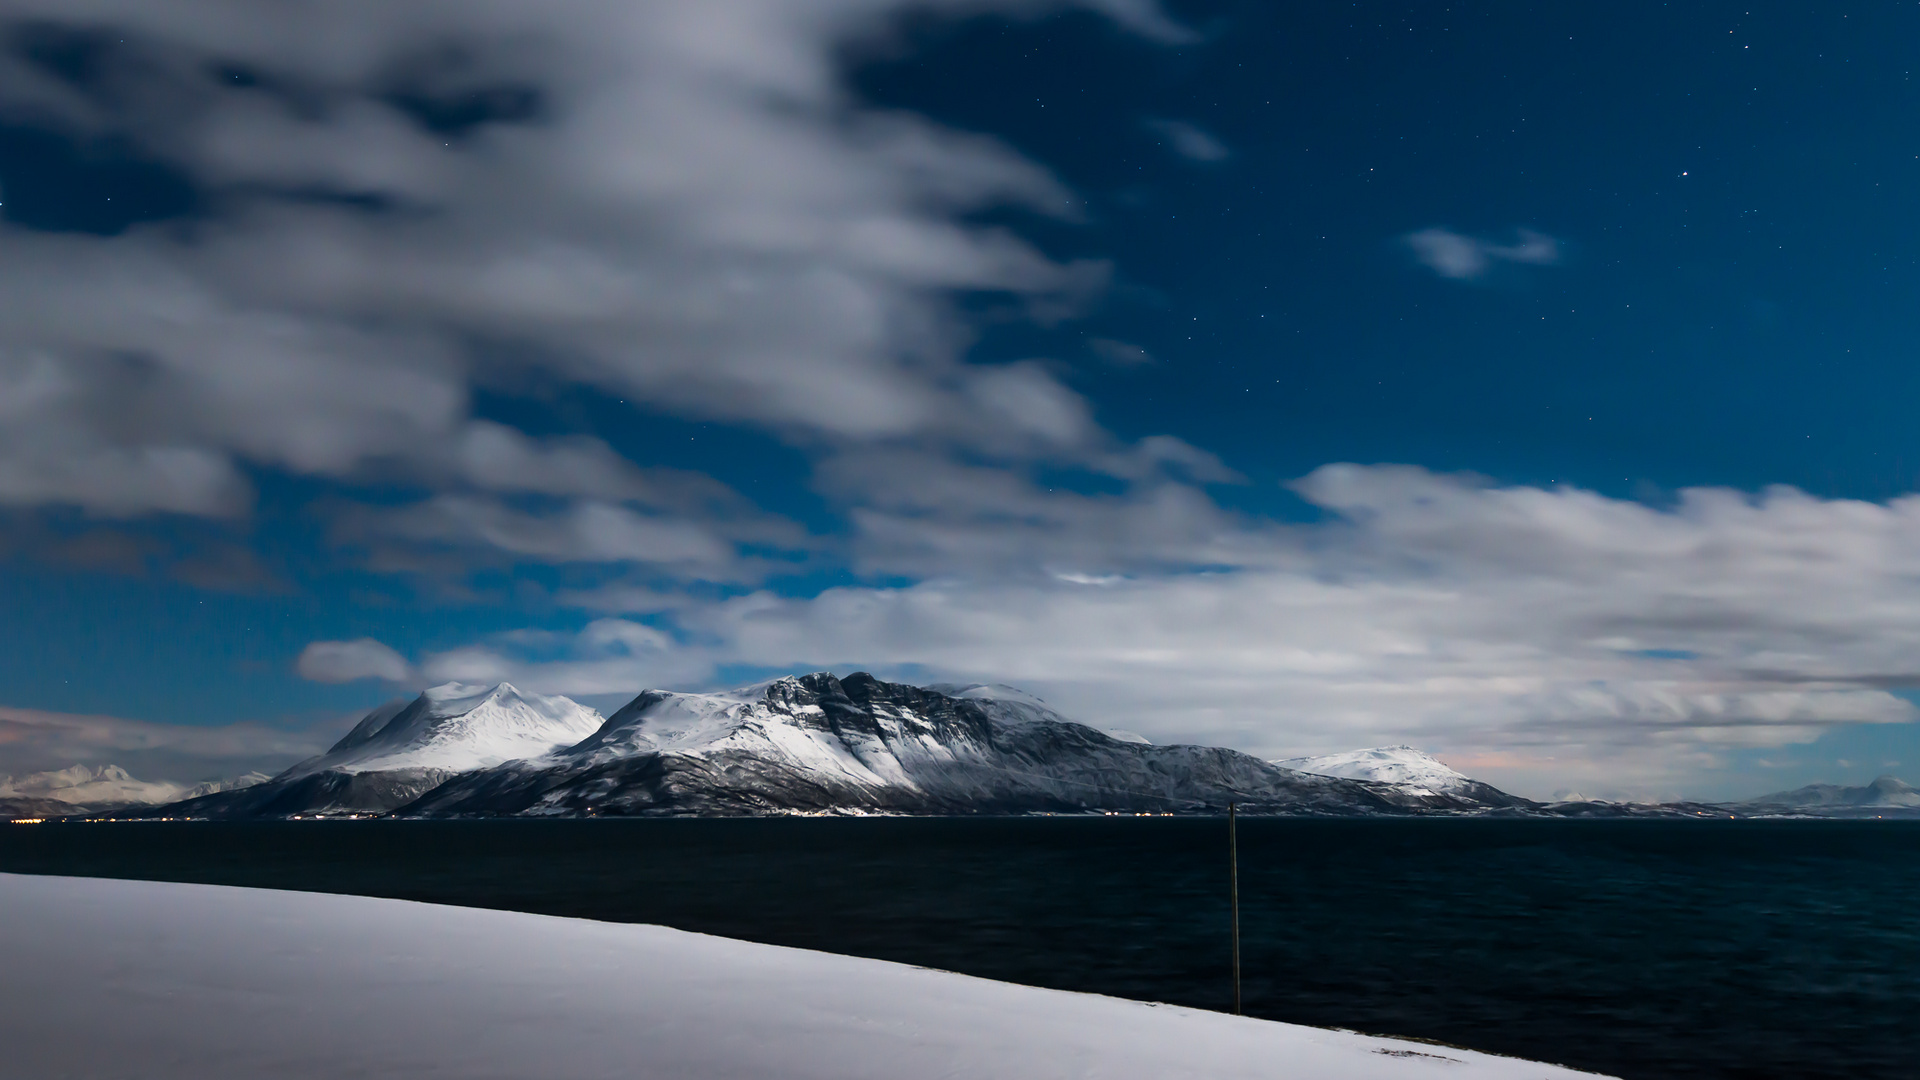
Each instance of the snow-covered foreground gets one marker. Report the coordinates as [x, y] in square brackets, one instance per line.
[157, 980]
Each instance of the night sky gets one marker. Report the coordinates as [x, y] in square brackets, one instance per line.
[1528, 383]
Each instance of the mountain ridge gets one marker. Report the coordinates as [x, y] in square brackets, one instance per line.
[819, 744]
[1404, 766]
[1884, 795]
[404, 749]
[801, 744]
[80, 789]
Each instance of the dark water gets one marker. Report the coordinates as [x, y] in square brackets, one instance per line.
[1642, 949]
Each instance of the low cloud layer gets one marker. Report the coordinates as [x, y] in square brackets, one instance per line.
[1463, 258]
[35, 741]
[1548, 637]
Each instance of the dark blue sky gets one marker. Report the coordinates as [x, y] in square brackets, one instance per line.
[1735, 187]
[1691, 234]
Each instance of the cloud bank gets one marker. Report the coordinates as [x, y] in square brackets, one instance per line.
[1545, 637]
[35, 741]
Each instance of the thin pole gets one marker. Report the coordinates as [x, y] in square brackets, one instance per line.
[1233, 888]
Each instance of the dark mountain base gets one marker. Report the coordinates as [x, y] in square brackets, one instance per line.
[319, 794]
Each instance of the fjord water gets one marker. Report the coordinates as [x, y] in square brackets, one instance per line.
[1644, 949]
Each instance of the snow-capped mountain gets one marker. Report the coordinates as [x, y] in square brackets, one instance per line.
[404, 749]
[456, 727]
[1416, 771]
[1386, 764]
[1835, 800]
[80, 786]
[816, 743]
[801, 744]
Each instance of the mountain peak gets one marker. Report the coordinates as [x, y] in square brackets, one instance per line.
[458, 726]
[454, 692]
[1400, 764]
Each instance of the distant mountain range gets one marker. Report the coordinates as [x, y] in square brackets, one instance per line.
[81, 789]
[810, 744]
[816, 744]
[1885, 796]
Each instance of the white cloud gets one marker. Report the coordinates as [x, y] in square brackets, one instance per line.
[495, 457]
[349, 661]
[1547, 638]
[609, 656]
[1189, 141]
[922, 514]
[1455, 255]
[695, 215]
[1025, 398]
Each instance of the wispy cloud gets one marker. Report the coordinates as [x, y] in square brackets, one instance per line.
[1462, 257]
[1189, 141]
[1123, 353]
[680, 206]
[1146, 18]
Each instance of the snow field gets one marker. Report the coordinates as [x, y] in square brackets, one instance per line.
[122, 979]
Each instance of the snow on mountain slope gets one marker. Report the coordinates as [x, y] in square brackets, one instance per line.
[1385, 765]
[800, 744]
[402, 750]
[1414, 772]
[815, 743]
[786, 727]
[144, 980]
[456, 727]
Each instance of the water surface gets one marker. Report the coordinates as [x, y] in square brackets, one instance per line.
[1646, 949]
